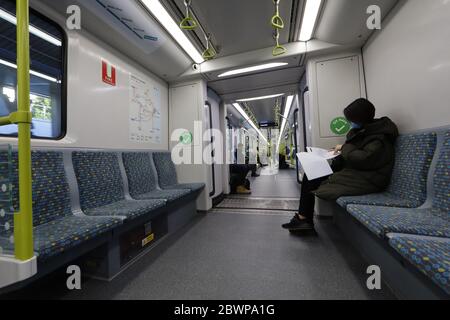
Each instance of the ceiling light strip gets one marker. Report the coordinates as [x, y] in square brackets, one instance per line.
[261, 98]
[238, 107]
[253, 69]
[310, 16]
[160, 13]
[287, 112]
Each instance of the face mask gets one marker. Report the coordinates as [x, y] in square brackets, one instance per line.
[356, 126]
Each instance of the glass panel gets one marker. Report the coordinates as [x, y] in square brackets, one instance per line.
[47, 67]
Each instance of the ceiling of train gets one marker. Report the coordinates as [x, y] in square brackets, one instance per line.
[237, 27]
[264, 110]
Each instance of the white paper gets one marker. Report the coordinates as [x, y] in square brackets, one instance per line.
[314, 166]
[315, 162]
[326, 154]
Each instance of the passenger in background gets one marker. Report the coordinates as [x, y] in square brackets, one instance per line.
[283, 152]
[364, 166]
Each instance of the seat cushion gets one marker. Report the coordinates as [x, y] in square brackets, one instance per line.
[167, 172]
[129, 209]
[51, 195]
[99, 179]
[58, 236]
[142, 178]
[430, 256]
[413, 159]
[169, 195]
[379, 199]
[194, 187]
[384, 220]
[442, 178]
[408, 187]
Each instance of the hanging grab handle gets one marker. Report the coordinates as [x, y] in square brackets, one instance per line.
[209, 53]
[277, 20]
[188, 23]
[279, 49]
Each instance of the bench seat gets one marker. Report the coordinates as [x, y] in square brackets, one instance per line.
[408, 187]
[430, 256]
[384, 220]
[194, 187]
[143, 180]
[101, 187]
[61, 235]
[379, 199]
[129, 209]
[167, 174]
[169, 195]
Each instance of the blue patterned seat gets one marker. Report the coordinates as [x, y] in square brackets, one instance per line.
[430, 256]
[142, 179]
[58, 236]
[408, 188]
[434, 221]
[101, 187]
[384, 220]
[167, 174]
[56, 230]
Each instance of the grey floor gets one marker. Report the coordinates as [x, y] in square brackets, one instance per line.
[230, 256]
[282, 185]
[234, 254]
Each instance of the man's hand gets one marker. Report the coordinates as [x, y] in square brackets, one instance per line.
[337, 149]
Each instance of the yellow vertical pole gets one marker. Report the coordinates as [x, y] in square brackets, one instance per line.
[23, 221]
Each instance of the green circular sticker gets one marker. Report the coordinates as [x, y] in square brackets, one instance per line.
[340, 126]
[186, 138]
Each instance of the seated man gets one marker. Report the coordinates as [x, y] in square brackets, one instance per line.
[239, 181]
[364, 166]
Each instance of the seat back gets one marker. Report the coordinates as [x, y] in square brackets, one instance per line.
[140, 173]
[99, 178]
[167, 172]
[51, 194]
[442, 178]
[414, 156]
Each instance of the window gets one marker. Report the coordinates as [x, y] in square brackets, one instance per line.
[47, 54]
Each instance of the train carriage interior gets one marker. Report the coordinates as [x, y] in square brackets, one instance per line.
[156, 149]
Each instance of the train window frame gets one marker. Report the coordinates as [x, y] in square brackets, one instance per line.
[64, 78]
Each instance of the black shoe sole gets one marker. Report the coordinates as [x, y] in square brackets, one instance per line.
[302, 233]
[303, 228]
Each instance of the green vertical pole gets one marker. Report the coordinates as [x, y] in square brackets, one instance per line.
[23, 221]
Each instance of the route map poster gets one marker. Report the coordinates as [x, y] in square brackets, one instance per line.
[145, 112]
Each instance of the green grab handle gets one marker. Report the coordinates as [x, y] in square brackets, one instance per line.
[277, 22]
[188, 23]
[209, 54]
[279, 50]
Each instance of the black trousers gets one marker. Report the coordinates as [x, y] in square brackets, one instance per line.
[239, 173]
[307, 197]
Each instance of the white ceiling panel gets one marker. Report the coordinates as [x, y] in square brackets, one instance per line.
[169, 61]
[345, 21]
[240, 25]
[265, 80]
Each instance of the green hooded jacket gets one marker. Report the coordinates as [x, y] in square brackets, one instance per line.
[366, 163]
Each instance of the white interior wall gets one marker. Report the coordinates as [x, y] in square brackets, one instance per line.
[97, 113]
[407, 65]
[341, 83]
[187, 113]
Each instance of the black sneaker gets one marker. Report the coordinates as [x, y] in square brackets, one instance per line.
[298, 224]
